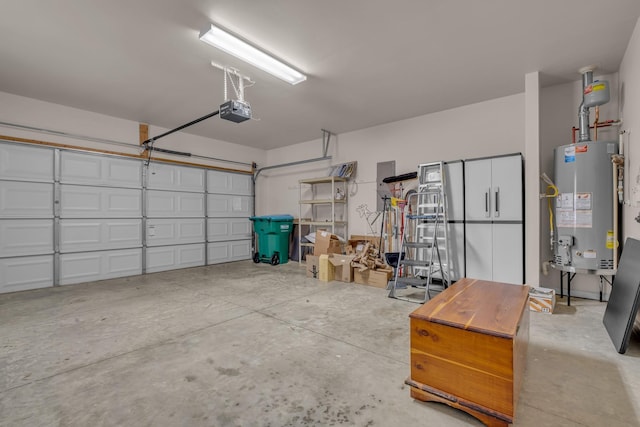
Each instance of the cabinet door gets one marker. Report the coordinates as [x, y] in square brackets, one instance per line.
[477, 183]
[506, 188]
[479, 251]
[507, 253]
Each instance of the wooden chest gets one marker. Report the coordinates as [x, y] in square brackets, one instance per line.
[469, 347]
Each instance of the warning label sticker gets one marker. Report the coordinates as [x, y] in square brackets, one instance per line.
[574, 219]
[570, 154]
[565, 201]
[583, 201]
[611, 244]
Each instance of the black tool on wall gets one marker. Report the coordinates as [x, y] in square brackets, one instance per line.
[624, 300]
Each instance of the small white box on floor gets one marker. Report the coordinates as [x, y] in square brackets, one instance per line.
[542, 300]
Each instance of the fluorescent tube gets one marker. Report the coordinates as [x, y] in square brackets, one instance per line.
[226, 42]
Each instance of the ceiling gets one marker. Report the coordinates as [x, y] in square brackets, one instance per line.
[368, 62]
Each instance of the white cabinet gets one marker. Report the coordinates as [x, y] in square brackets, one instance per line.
[494, 237]
[493, 189]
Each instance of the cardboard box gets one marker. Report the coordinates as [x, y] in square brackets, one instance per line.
[326, 243]
[313, 266]
[378, 278]
[327, 270]
[356, 242]
[542, 300]
[342, 267]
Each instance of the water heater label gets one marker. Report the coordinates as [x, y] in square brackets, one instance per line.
[583, 201]
[570, 154]
[611, 243]
[565, 201]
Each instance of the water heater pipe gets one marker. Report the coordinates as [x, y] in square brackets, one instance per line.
[583, 111]
[615, 212]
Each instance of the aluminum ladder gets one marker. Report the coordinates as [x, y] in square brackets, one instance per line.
[423, 265]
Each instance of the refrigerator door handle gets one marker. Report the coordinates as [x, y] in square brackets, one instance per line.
[486, 203]
[497, 202]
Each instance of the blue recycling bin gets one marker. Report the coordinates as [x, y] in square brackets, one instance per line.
[273, 238]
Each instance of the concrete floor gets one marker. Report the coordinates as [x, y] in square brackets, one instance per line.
[255, 345]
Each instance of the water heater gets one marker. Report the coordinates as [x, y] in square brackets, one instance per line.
[584, 205]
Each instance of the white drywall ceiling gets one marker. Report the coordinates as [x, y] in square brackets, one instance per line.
[369, 61]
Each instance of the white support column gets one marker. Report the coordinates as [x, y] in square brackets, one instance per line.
[532, 178]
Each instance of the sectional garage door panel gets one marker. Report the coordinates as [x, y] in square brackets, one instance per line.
[229, 183]
[175, 178]
[163, 232]
[91, 266]
[78, 235]
[170, 204]
[26, 200]
[87, 169]
[21, 274]
[222, 229]
[220, 252]
[25, 163]
[68, 216]
[100, 202]
[174, 257]
[21, 237]
[223, 205]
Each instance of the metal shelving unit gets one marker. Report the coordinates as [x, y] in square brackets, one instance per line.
[321, 208]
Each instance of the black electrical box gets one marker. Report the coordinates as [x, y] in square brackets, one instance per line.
[236, 111]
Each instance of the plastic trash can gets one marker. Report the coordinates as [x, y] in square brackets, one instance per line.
[273, 238]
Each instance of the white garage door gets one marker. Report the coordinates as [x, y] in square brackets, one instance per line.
[175, 217]
[68, 217]
[26, 217]
[100, 226]
[229, 206]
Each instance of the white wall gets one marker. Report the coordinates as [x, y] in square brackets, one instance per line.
[40, 114]
[630, 113]
[484, 129]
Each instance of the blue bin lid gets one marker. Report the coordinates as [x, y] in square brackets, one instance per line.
[277, 218]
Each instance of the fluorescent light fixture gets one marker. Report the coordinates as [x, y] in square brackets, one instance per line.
[226, 42]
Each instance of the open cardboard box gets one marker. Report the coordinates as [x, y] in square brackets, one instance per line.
[357, 242]
[326, 243]
[378, 278]
[342, 266]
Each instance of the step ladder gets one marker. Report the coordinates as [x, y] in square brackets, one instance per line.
[423, 264]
